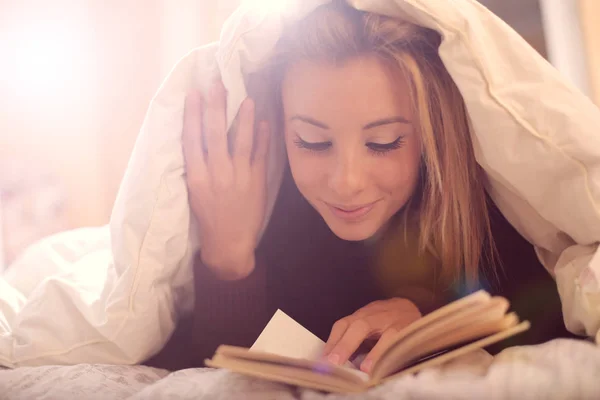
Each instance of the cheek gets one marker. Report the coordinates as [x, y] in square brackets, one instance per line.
[307, 169]
[399, 174]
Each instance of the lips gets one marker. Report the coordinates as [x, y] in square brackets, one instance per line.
[351, 208]
[351, 212]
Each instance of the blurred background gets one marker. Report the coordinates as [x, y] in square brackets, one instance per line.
[76, 78]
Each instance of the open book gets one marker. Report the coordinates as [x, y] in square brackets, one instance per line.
[287, 352]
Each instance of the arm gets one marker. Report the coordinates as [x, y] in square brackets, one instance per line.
[228, 311]
[221, 301]
[225, 312]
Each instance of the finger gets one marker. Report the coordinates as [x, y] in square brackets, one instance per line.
[262, 143]
[372, 308]
[337, 331]
[400, 307]
[192, 133]
[357, 332]
[382, 345]
[245, 133]
[215, 126]
[340, 327]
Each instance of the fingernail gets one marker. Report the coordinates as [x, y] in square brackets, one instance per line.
[333, 358]
[366, 365]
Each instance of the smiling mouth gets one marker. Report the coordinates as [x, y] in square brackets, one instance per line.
[351, 213]
[351, 208]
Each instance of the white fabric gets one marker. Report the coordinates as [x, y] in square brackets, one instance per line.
[561, 369]
[535, 136]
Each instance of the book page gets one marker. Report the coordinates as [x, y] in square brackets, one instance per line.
[478, 344]
[290, 374]
[474, 299]
[400, 352]
[285, 337]
[225, 353]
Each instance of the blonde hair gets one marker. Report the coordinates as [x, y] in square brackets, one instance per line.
[450, 204]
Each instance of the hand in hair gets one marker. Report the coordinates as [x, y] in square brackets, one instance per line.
[379, 321]
[227, 189]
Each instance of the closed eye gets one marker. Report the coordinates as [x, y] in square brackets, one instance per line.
[312, 146]
[382, 148]
[377, 148]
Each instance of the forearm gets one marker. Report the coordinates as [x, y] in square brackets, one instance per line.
[235, 263]
[228, 311]
[213, 293]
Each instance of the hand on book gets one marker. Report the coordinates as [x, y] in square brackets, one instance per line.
[226, 181]
[379, 320]
[289, 353]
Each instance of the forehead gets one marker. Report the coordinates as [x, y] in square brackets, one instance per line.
[361, 90]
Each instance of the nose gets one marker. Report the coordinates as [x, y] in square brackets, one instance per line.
[348, 176]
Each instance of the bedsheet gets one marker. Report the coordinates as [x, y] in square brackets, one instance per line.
[560, 369]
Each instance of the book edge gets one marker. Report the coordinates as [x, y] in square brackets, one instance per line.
[467, 315]
[236, 352]
[478, 344]
[233, 365]
[479, 297]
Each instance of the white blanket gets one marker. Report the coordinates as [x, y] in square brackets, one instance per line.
[113, 297]
[562, 369]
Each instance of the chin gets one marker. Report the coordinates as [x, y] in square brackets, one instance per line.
[353, 233]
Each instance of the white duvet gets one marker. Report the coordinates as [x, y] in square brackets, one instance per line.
[561, 369]
[112, 295]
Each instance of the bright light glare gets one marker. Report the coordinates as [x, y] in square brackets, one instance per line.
[43, 60]
[267, 5]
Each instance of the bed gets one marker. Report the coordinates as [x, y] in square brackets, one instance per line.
[122, 286]
[560, 369]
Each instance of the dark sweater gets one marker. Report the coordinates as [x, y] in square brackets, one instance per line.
[303, 269]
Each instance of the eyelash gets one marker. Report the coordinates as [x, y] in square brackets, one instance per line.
[375, 148]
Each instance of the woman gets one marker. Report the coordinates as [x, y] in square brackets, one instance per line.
[382, 215]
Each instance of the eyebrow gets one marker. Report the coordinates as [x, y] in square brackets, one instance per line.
[386, 121]
[370, 125]
[309, 120]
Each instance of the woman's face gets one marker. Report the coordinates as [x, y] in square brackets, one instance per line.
[352, 148]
